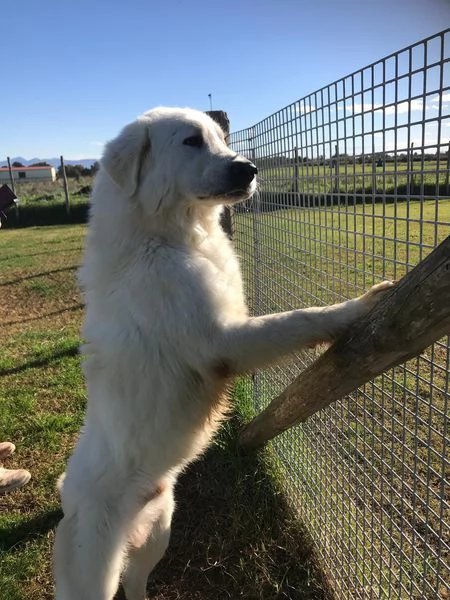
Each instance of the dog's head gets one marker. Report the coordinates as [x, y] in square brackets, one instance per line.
[171, 155]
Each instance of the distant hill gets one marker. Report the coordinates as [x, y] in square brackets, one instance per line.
[54, 162]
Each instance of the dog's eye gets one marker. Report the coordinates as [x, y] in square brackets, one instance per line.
[194, 140]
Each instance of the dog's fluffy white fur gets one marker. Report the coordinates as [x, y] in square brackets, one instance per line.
[166, 330]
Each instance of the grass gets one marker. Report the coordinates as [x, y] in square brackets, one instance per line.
[340, 250]
[45, 192]
[368, 476]
[233, 535]
[41, 397]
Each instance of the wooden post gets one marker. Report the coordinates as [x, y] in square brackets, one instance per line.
[11, 176]
[13, 185]
[221, 117]
[66, 187]
[410, 317]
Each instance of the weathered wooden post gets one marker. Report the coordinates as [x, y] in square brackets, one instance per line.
[11, 176]
[221, 117]
[13, 184]
[66, 187]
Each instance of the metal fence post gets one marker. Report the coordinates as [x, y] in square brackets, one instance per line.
[296, 162]
[447, 173]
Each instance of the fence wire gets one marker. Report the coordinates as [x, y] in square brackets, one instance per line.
[354, 188]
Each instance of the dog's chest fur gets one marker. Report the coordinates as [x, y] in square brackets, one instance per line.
[149, 320]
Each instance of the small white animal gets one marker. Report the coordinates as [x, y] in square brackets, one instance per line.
[167, 329]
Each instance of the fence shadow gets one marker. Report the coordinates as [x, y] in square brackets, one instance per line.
[36, 275]
[42, 362]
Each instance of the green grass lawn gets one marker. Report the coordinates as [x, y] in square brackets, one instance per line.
[50, 192]
[41, 396]
[367, 475]
[330, 253]
[233, 535]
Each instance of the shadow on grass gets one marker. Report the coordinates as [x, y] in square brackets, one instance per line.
[233, 536]
[36, 275]
[54, 313]
[76, 249]
[46, 360]
[12, 538]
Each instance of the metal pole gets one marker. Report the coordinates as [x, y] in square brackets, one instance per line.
[410, 167]
[296, 162]
[374, 175]
[336, 166]
[447, 174]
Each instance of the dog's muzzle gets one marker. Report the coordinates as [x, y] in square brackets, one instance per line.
[236, 182]
[241, 173]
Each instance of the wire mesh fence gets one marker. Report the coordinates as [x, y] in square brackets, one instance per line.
[354, 188]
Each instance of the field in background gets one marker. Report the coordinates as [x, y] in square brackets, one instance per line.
[43, 192]
[431, 177]
[43, 203]
[338, 251]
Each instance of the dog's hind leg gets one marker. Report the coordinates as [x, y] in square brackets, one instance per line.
[148, 542]
[100, 501]
[89, 551]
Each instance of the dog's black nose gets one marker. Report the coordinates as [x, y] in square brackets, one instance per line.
[242, 173]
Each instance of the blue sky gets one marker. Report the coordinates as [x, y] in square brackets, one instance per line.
[74, 73]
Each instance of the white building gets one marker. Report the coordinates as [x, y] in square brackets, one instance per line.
[28, 174]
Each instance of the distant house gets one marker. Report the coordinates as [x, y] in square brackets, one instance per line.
[28, 174]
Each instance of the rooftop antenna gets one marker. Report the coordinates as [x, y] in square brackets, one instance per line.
[210, 101]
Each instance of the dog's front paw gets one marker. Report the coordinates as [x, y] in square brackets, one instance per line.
[374, 295]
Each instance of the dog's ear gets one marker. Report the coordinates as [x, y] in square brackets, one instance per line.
[124, 156]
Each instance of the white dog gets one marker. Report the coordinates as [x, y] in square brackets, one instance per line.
[166, 330]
